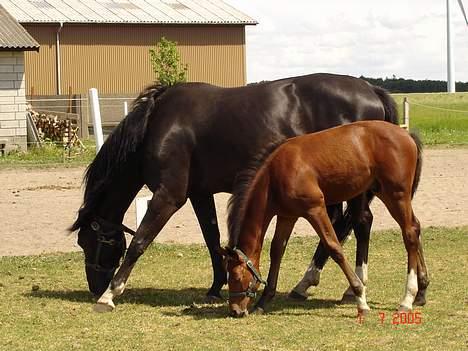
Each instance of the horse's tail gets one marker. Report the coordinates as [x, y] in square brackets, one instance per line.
[417, 174]
[118, 149]
[389, 104]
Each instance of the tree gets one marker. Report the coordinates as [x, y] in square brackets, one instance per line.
[165, 60]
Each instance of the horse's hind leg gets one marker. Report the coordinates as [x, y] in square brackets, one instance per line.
[167, 198]
[399, 206]
[342, 227]
[317, 216]
[205, 211]
[284, 227]
[423, 276]
[362, 219]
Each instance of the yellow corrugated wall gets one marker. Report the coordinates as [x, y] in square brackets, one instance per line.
[115, 58]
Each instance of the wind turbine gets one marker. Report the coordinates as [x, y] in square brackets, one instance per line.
[450, 65]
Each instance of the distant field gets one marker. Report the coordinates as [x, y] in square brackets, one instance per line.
[436, 125]
[45, 304]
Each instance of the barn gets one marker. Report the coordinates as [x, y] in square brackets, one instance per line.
[105, 43]
[14, 42]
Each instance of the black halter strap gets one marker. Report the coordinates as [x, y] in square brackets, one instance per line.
[256, 278]
[106, 235]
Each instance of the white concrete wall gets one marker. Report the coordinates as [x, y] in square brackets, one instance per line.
[12, 100]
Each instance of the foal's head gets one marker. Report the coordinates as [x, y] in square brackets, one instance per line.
[242, 282]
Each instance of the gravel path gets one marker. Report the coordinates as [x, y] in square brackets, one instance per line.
[36, 206]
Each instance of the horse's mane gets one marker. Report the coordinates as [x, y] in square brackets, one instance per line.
[243, 185]
[118, 148]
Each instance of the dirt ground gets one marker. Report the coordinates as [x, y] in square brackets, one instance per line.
[37, 206]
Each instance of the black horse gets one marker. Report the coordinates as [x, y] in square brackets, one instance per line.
[190, 141]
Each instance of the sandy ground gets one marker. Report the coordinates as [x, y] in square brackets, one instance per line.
[36, 206]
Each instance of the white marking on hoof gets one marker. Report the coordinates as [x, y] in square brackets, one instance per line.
[105, 302]
[311, 277]
[411, 291]
[362, 301]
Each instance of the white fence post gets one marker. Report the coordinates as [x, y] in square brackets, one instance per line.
[141, 207]
[96, 116]
[406, 108]
[125, 108]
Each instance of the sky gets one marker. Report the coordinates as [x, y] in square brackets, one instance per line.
[373, 38]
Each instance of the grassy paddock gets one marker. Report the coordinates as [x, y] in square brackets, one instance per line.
[45, 305]
[436, 125]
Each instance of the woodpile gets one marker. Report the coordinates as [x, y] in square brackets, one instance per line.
[54, 128]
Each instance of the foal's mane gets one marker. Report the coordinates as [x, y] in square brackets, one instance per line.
[242, 189]
[119, 147]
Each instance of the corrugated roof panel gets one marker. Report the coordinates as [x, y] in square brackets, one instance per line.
[69, 10]
[207, 15]
[217, 10]
[126, 11]
[154, 12]
[12, 35]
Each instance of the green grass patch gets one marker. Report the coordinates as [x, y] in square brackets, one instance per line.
[162, 308]
[50, 155]
[436, 118]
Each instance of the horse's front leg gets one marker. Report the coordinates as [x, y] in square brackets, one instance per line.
[342, 225]
[166, 200]
[284, 227]
[205, 210]
[362, 223]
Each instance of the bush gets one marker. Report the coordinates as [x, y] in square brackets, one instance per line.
[165, 60]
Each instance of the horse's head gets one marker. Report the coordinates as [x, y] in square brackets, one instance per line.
[243, 281]
[103, 245]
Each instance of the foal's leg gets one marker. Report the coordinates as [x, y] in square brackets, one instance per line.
[284, 227]
[399, 206]
[362, 222]
[423, 276]
[317, 216]
[205, 210]
[342, 226]
[169, 196]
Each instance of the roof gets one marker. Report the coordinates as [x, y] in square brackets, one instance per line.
[126, 11]
[12, 35]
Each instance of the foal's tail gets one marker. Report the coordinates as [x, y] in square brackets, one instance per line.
[417, 174]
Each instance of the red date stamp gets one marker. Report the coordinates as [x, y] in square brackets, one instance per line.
[397, 318]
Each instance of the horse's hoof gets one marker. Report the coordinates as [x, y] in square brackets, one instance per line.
[419, 301]
[348, 299]
[296, 296]
[403, 309]
[258, 310]
[213, 299]
[362, 312]
[103, 307]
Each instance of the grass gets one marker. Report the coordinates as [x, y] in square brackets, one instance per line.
[50, 155]
[162, 308]
[436, 125]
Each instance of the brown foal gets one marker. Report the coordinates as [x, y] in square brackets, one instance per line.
[304, 175]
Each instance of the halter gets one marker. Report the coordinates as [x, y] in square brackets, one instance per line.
[256, 278]
[107, 238]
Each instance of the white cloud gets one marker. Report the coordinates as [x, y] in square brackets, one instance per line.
[356, 37]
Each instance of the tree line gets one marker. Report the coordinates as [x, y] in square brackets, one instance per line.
[401, 85]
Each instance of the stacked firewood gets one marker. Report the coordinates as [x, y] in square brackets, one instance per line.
[52, 128]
